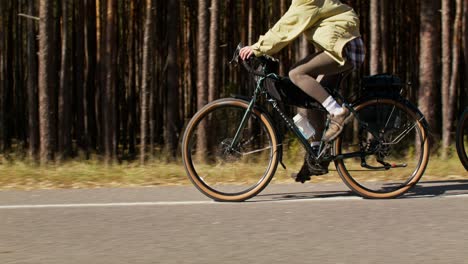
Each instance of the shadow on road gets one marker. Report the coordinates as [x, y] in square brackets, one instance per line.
[302, 195]
[421, 190]
[438, 188]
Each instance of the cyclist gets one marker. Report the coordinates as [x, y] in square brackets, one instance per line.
[333, 28]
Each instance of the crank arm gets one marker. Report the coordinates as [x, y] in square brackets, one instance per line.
[367, 166]
[386, 165]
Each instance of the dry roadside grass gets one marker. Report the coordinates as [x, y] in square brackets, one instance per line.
[89, 174]
[93, 174]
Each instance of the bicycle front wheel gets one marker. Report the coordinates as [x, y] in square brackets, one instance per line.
[462, 138]
[389, 152]
[220, 168]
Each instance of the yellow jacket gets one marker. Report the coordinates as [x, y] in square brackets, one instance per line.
[328, 24]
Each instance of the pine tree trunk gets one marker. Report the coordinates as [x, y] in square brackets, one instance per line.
[464, 92]
[8, 89]
[213, 54]
[250, 23]
[100, 75]
[448, 96]
[20, 116]
[132, 105]
[202, 82]
[171, 129]
[374, 37]
[3, 28]
[446, 57]
[192, 61]
[78, 69]
[428, 61]
[47, 81]
[124, 55]
[65, 91]
[109, 98]
[384, 10]
[90, 130]
[145, 87]
[33, 115]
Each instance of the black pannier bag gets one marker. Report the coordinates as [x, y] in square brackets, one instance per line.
[382, 84]
[286, 91]
[283, 89]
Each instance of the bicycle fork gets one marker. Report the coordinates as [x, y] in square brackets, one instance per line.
[247, 114]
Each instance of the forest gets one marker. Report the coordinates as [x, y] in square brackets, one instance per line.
[120, 79]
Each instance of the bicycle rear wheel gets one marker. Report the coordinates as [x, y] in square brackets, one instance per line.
[391, 159]
[462, 138]
[221, 170]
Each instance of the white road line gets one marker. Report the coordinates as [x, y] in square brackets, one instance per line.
[78, 205]
[174, 203]
[179, 203]
[456, 196]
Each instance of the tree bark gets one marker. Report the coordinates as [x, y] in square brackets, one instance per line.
[90, 129]
[250, 22]
[3, 28]
[446, 56]
[145, 87]
[47, 81]
[427, 65]
[133, 118]
[19, 104]
[202, 83]
[171, 130]
[109, 98]
[8, 89]
[464, 88]
[33, 115]
[374, 37]
[65, 91]
[451, 72]
[79, 78]
[384, 10]
[213, 54]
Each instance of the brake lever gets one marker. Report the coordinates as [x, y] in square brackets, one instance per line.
[235, 58]
[235, 61]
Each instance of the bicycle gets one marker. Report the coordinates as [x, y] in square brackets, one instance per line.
[231, 147]
[461, 138]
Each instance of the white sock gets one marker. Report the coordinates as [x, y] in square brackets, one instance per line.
[332, 106]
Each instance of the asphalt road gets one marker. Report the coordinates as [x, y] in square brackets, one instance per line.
[285, 224]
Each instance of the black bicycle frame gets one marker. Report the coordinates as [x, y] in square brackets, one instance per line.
[259, 90]
[289, 122]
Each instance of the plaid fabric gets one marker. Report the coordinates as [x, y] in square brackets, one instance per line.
[355, 52]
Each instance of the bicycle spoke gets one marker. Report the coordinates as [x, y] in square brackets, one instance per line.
[401, 136]
[225, 169]
[382, 165]
[388, 119]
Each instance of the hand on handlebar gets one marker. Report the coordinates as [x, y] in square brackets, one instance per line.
[246, 52]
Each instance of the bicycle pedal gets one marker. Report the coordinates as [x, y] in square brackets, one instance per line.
[300, 178]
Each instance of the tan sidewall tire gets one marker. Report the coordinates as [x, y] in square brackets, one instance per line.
[460, 138]
[191, 171]
[353, 185]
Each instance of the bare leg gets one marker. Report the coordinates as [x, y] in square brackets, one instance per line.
[304, 74]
